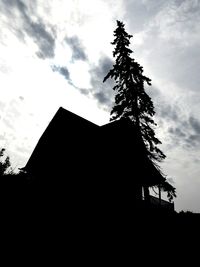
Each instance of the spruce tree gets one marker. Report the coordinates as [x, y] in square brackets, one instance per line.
[131, 100]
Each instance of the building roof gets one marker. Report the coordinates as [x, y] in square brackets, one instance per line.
[72, 148]
[128, 147]
[63, 140]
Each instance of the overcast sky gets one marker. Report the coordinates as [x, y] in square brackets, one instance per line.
[56, 53]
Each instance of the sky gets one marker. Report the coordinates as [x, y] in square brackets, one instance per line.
[56, 53]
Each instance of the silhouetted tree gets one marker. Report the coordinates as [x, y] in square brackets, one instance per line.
[131, 100]
[10, 178]
[5, 165]
[171, 191]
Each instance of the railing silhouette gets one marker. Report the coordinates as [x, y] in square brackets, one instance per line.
[156, 203]
[161, 203]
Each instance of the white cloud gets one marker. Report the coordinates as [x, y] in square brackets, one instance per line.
[180, 23]
[79, 73]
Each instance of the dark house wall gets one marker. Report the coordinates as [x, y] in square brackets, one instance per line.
[85, 163]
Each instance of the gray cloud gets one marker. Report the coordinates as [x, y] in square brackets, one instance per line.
[102, 91]
[78, 52]
[177, 132]
[173, 43]
[42, 34]
[178, 65]
[193, 141]
[102, 98]
[21, 98]
[186, 10]
[18, 4]
[140, 13]
[169, 112]
[43, 38]
[195, 124]
[62, 70]
[179, 128]
[84, 91]
[185, 132]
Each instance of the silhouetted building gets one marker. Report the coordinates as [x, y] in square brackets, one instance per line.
[81, 162]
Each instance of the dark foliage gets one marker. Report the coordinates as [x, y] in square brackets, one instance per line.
[4, 163]
[131, 100]
[171, 191]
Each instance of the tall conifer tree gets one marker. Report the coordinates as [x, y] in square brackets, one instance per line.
[131, 100]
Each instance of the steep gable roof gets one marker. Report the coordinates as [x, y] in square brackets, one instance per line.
[74, 148]
[66, 133]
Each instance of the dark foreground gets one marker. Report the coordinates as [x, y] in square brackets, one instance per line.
[90, 227]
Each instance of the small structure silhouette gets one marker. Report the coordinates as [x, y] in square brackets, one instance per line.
[79, 162]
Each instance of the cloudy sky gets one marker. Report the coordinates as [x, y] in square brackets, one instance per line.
[56, 53]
